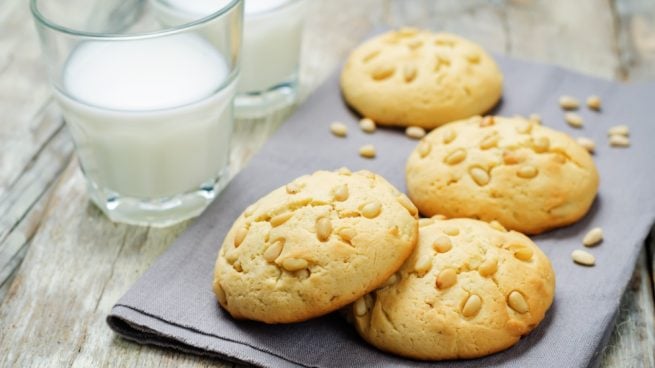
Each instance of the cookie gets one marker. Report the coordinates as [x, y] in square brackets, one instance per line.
[468, 290]
[413, 77]
[528, 177]
[313, 246]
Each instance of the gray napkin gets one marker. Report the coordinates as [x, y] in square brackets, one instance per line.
[172, 305]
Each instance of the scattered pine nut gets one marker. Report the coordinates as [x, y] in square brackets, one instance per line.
[583, 258]
[367, 151]
[573, 119]
[619, 141]
[619, 130]
[415, 132]
[339, 129]
[593, 237]
[594, 103]
[569, 103]
[367, 125]
[587, 143]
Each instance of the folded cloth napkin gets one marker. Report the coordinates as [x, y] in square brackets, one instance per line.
[172, 305]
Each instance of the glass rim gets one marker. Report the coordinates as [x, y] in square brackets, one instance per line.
[45, 21]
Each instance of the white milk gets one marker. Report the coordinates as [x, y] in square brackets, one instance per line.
[271, 36]
[147, 116]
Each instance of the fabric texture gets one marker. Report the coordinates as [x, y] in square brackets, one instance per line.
[172, 305]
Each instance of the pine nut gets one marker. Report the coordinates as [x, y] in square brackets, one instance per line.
[583, 258]
[423, 148]
[527, 172]
[391, 280]
[294, 264]
[451, 230]
[446, 279]
[240, 236]
[535, 118]
[487, 121]
[449, 136]
[473, 57]
[280, 219]
[360, 307]
[516, 301]
[415, 132]
[292, 188]
[593, 237]
[339, 129]
[423, 265]
[341, 193]
[367, 125]
[619, 130]
[522, 252]
[488, 267]
[569, 103]
[425, 222]
[409, 73]
[371, 209]
[409, 206]
[541, 144]
[573, 119]
[323, 228]
[220, 294]
[511, 157]
[619, 141]
[442, 244]
[587, 143]
[525, 127]
[594, 103]
[479, 175]
[471, 306]
[456, 156]
[344, 171]
[274, 250]
[498, 226]
[347, 233]
[489, 141]
[367, 151]
[382, 72]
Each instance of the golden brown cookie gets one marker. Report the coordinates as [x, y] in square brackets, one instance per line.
[528, 177]
[469, 289]
[413, 77]
[313, 246]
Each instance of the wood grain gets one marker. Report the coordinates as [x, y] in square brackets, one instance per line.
[77, 264]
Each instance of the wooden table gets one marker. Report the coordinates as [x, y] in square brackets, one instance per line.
[63, 264]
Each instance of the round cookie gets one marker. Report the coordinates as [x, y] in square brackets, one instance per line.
[412, 77]
[313, 246]
[469, 289]
[528, 177]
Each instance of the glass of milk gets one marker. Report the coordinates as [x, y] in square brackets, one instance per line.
[271, 48]
[149, 109]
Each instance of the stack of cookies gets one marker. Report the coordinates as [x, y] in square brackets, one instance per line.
[461, 282]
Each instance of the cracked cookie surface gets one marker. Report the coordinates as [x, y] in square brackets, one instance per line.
[528, 177]
[412, 77]
[469, 289]
[313, 246]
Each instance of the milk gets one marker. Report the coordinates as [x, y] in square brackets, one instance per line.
[151, 118]
[271, 37]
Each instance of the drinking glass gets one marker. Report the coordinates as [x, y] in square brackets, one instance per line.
[270, 60]
[149, 109]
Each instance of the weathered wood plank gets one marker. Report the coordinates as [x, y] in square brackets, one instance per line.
[635, 39]
[87, 277]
